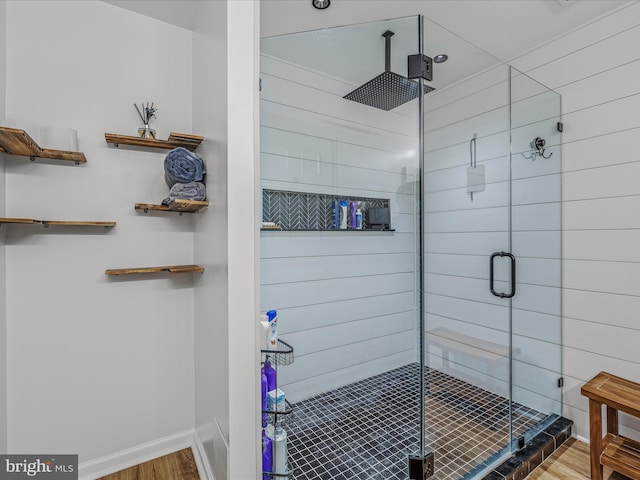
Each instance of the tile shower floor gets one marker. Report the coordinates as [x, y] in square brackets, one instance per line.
[365, 430]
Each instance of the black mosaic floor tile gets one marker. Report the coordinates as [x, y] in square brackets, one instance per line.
[367, 429]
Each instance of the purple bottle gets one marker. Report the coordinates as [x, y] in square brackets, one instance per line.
[264, 395]
[352, 216]
[270, 372]
[267, 456]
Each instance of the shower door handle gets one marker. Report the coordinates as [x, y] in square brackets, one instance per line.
[513, 274]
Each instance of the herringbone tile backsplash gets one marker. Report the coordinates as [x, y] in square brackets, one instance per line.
[310, 211]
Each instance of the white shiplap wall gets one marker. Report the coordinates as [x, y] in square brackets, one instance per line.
[461, 234]
[596, 69]
[346, 300]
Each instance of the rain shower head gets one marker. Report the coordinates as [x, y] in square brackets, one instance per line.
[388, 90]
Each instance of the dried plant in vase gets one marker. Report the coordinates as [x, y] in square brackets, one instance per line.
[146, 112]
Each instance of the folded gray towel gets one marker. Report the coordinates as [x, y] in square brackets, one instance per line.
[181, 165]
[187, 191]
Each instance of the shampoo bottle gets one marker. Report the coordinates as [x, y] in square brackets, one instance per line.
[353, 215]
[270, 372]
[267, 456]
[359, 219]
[343, 214]
[265, 389]
[336, 214]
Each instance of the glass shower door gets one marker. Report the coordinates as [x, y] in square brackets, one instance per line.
[491, 265]
[536, 196]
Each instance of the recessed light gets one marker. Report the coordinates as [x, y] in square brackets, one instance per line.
[321, 4]
[440, 58]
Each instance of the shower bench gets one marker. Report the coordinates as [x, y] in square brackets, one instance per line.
[613, 450]
[493, 355]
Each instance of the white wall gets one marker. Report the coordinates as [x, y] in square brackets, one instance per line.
[96, 365]
[346, 300]
[243, 174]
[210, 240]
[3, 311]
[225, 100]
[597, 72]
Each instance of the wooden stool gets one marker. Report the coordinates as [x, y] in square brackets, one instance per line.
[613, 450]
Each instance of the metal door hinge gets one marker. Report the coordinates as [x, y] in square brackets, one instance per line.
[560, 126]
[420, 66]
[561, 382]
[420, 468]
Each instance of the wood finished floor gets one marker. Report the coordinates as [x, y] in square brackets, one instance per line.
[175, 466]
[570, 462]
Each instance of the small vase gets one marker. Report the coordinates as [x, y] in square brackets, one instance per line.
[146, 132]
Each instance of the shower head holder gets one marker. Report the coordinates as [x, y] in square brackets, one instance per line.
[537, 149]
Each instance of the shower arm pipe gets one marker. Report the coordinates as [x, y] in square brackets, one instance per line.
[387, 50]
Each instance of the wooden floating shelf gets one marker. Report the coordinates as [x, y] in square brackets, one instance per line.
[18, 142]
[170, 269]
[46, 223]
[190, 142]
[178, 205]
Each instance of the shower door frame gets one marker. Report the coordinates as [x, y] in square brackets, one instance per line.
[420, 249]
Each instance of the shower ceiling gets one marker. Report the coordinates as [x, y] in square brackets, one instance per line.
[361, 49]
[505, 29]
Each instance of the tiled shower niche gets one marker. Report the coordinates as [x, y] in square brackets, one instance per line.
[311, 211]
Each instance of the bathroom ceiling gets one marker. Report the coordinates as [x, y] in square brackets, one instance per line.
[356, 53]
[504, 28]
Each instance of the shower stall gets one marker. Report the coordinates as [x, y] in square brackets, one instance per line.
[427, 336]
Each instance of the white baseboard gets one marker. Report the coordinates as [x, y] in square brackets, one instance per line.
[200, 458]
[582, 439]
[139, 454]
